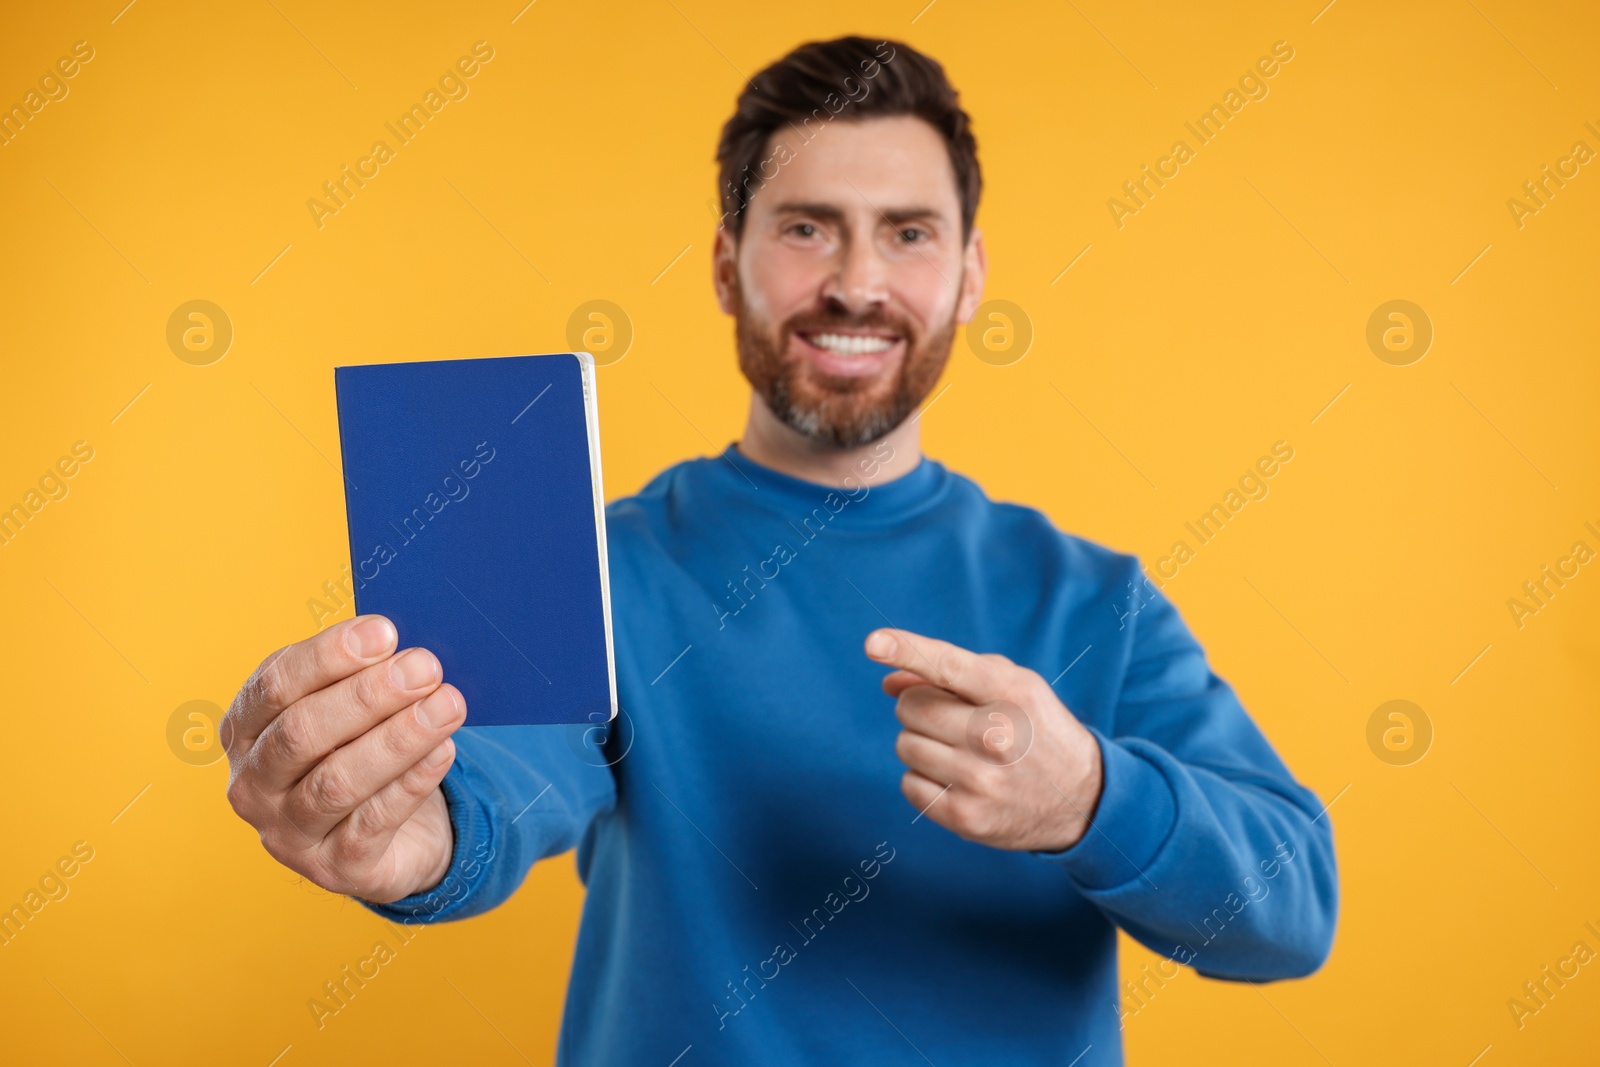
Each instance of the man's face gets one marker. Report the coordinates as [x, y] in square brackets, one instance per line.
[851, 277]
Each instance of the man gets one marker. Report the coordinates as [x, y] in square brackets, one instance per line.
[791, 857]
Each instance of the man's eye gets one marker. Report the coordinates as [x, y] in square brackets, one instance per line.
[912, 235]
[803, 229]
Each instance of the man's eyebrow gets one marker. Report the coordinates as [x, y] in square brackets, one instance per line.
[800, 207]
[832, 213]
[898, 215]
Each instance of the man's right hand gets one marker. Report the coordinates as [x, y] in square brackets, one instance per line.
[336, 747]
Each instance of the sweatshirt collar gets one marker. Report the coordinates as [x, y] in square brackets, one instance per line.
[867, 501]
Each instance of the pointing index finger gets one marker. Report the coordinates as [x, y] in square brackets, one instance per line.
[964, 673]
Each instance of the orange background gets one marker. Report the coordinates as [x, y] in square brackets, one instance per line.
[1224, 316]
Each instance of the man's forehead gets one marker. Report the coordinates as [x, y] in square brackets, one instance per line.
[893, 164]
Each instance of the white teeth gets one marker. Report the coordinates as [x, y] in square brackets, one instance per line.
[850, 344]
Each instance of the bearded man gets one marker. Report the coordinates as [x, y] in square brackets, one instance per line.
[791, 856]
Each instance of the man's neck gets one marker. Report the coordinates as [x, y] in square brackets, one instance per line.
[775, 445]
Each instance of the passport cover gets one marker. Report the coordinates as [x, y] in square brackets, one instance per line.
[477, 525]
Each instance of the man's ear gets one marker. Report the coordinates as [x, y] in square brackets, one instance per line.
[975, 264]
[725, 268]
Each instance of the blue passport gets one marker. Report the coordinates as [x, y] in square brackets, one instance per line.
[477, 525]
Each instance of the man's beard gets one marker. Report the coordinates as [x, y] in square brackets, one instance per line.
[841, 412]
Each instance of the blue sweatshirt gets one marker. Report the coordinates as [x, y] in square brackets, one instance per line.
[760, 891]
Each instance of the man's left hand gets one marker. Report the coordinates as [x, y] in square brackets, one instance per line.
[993, 754]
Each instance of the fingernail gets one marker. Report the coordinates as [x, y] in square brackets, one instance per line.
[880, 644]
[370, 637]
[438, 709]
[439, 755]
[414, 669]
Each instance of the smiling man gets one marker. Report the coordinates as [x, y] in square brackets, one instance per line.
[793, 857]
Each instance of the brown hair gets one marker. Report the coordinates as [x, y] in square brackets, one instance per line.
[849, 78]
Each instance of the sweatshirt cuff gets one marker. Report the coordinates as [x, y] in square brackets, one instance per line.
[1136, 814]
[469, 860]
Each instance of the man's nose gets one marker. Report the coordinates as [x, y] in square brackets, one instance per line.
[860, 281]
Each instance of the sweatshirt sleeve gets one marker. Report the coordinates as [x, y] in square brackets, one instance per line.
[516, 795]
[1203, 847]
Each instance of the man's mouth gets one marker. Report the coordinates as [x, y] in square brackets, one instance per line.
[849, 353]
[850, 344]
